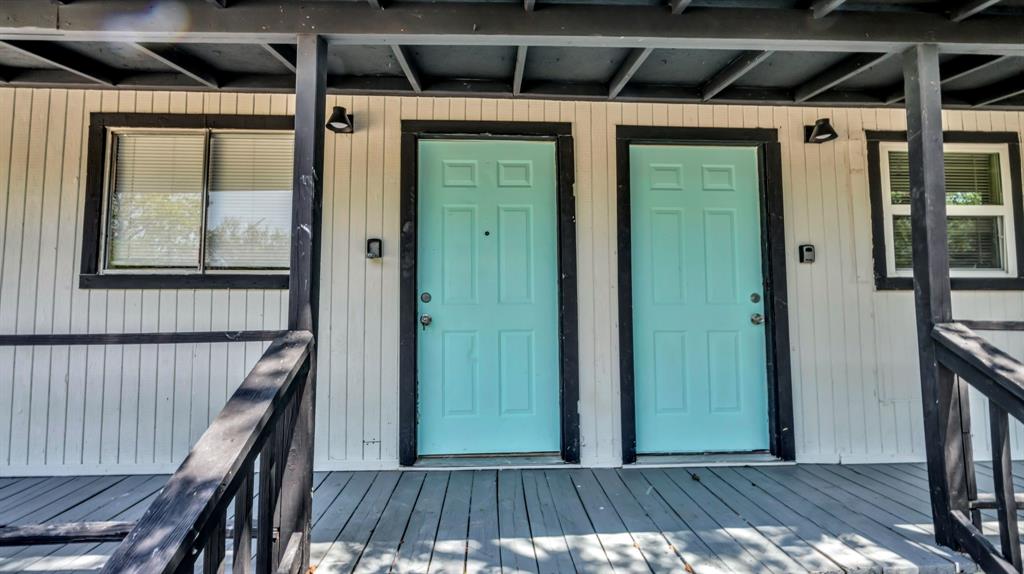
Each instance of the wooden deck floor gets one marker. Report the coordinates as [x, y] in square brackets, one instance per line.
[806, 518]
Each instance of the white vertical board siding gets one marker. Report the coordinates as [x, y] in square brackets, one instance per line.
[139, 408]
[98, 408]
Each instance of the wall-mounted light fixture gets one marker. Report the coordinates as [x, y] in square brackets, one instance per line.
[821, 132]
[340, 122]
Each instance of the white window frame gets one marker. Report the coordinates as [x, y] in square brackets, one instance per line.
[1005, 211]
[108, 188]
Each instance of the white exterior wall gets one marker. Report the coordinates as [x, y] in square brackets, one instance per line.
[139, 408]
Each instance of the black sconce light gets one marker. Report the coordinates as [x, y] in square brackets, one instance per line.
[340, 122]
[374, 248]
[821, 132]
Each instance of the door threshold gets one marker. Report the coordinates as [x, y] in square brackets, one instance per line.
[473, 462]
[711, 459]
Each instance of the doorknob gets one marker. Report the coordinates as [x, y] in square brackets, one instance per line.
[757, 319]
[426, 319]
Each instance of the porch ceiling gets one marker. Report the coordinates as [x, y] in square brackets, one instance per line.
[803, 52]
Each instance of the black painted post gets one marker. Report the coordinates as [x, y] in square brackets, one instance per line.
[940, 391]
[304, 277]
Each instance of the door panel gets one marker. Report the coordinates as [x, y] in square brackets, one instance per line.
[488, 363]
[700, 378]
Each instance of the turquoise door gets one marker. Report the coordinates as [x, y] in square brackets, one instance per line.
[699, 350]
[487, 273]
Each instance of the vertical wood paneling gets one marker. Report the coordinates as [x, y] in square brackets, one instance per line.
[71, 409]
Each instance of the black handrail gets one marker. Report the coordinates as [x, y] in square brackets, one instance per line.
[188, 517]
[1000, 377]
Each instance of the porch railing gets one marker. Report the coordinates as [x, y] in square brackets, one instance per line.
[188, 519]
[999, 377]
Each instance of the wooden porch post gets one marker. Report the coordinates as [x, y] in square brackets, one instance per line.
[304, 277]
[945, 402]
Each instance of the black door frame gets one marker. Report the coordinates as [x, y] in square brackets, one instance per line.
[560, 133]
[773, 257]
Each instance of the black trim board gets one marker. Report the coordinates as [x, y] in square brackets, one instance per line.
[878, 248]
[169, 338]
[90, 276]
[561, 133]
[778, 364]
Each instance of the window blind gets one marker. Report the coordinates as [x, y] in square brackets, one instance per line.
[972, 178]
[974, 242]
[248, 221]
[155, 204]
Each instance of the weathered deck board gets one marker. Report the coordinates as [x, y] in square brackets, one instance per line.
[806, 518]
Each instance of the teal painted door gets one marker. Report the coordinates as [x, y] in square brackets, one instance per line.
[487, 272]
[699, 358]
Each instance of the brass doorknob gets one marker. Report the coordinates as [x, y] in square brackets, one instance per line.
[757, 319]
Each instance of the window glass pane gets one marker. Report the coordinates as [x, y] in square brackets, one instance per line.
[249, 213]
[974, 242]
[971, 178]
[155, 211]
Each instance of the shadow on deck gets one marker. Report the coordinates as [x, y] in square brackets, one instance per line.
[806, 518]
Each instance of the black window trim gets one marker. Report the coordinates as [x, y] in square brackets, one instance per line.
[90, 276]
[883, 282]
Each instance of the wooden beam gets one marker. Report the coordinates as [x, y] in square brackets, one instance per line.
[296, 504]
[65, 59]
[677, 6]
[943, 399]
[732, 72]
[970, 8]
[838, 74]
[629, 67]
[520, 69]
[408, 67]
[1003, 90]
[183, 62]
[36, 534]
[822, 8]
[955, 69]
[489, 24]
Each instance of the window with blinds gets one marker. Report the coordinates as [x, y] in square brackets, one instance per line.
[199, 200]
[979, 213]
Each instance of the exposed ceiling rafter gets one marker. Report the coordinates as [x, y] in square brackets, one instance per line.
[970, 8]
[629, 67]
[955, 69]
[519, 71]
[183, 62]
[822, 8]
[65, 59]
[677, 6]
[838, 74]
[283, 53]
[408, 67]
[732, 72]
[996, 93]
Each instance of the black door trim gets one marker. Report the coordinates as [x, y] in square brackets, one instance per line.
[561, 134]
[773, 252]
